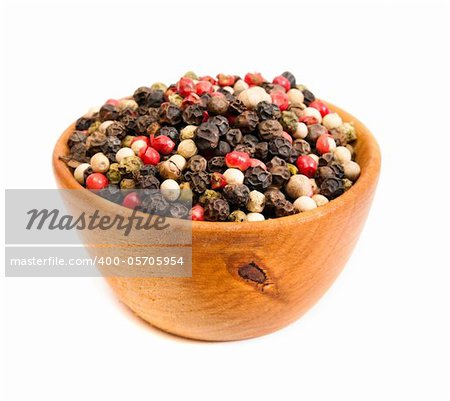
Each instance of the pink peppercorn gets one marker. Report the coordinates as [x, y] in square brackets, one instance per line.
[308, 120]
[307, 166]
[197, 213]
[280, 99]
[209, 79]
[240, 160]
[149, 156]
[113, 102]
[131, 200]
[322, 144]
[254, 78]
[318, 105]
[192, 98]
[185, 86]
[225, 80]
[282, 81]
[285, 135]
[218, 181]
[204, 87]
[163, 144]
[96, 181]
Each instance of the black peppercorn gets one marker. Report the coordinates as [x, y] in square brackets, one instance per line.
[178, 211]
[129, 121]
[112, 193]
[193, 114]
[324, 173]
[207, 136]
[169, 114]
[290, 77]
[268, 86]
[308, 97]
[280, 175]
[141, 94]
[284, 208]
[142, 123]
[78, 152]
[273, 197]
[234, 136]
[236, 107]
[337, 168]
[332, 187]
[117, 129]
[170, 132]
[261, 150]
[222, 124]
[199, 181]
[147, 181]
[250, 140]
[148, 169]
[247, 148]
[325, 159]
[216, 209]
[217, 105]
[257, 178]
[155, 98]
[197, 163]
[222, 149]
[108, 112]
[301, 146]
[280, 147]
[275, 161]
[95, 141]
[77, 137]
[83, 123]
[269, 129]
[236, 194]
[154, 203]
[247, 121]
[216, 164]
[268, 111]
[294, 156]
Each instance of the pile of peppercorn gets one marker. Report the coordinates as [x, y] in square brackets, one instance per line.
[247, 149]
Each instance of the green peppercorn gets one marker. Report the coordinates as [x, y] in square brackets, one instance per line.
[113, 173]
[237, 216]
[289, 121]
[93, 127]
[130, 164]
[192, 75]
[209, 194]
[292, 169]
[176, 99]
[127, 183]
[159, 86]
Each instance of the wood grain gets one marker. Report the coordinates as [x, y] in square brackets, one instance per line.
[250, 279]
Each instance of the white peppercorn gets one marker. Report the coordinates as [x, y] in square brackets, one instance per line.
[304, 203]
[127, 104]
[314, 156]
[228, 89]
[320, 200]
[342, 155]
[170, 190]
[99, 163]
[252, 96]
[138, 145]
[187, 148]
[188, 132]
[122, 153]
[79, 172]
[312, 112]
[352, 170]
[301, 131]
[104, 125]
[179, 161]
[296, 96]
[256, 202]
[255, 217]
[298, 185]
[314, 186]
[332, 120]
[233, 176]
[240, 86]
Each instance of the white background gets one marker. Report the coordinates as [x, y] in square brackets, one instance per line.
[382, 331]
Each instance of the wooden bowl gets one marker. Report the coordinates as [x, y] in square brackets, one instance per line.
[250, 279]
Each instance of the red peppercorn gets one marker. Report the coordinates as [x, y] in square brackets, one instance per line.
[96, 181]
[236, 159]
[218, 181]
[257, 162]
[284, 134]
[208, 78]
[254, 78]
[113, 102]
[131, 200]
[307, 165]
[197, 213]
[162, 143]
[204, 87]
[205, 116]
[280, 99]
[308, 120]
[225, 80]
[192, 98]
[318, 105]
[322, 144]
[217, 94]
[149, 156]
[141, 138]
[185, 86]
[282, 81]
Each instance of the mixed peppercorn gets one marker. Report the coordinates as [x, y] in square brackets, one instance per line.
[246, 149]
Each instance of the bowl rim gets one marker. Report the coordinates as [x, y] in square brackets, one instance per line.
[369, 176]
